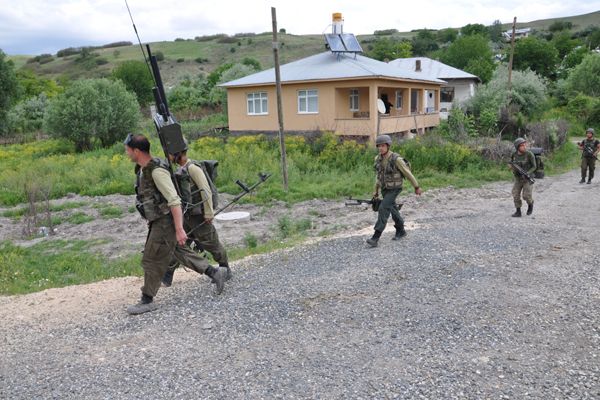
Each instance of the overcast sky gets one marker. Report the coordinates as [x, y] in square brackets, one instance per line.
[45, 26]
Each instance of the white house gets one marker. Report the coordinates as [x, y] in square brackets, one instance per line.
[459, 86]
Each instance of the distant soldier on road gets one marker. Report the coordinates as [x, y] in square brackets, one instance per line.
[390, 170]
[198, 218]
[589, 154]
[524, 159]
[158, 203]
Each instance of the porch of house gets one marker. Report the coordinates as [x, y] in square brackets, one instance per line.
[406, 109]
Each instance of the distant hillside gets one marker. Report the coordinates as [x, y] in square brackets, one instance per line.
[191, 57]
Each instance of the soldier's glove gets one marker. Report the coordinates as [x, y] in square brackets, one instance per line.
[376, 202]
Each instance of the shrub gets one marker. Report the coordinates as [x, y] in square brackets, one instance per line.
[90, 111]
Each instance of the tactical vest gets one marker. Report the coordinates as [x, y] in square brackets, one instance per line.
[523, 160]
[190, 192]
[389, 176]
[149, 201]
[592, 145]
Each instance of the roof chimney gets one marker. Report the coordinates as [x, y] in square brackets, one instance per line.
[337, 24]
[418, 65]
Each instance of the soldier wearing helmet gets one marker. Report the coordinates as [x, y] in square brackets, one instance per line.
[390, 171]
[526, 160]
[199, 212]
[589, 154]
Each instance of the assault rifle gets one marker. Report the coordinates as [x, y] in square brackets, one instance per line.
[588, 151]
[522, 172]
[375, 202]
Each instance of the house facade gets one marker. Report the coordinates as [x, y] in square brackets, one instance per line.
[335, 92]
[459, 87]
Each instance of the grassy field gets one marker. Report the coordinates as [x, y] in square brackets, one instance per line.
[321, 168]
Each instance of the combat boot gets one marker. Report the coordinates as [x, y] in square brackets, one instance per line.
[374, 239]
[400, 232]
[167, 279]
[218, 276]
[517, 213]
[582, 180]
[589, 182]
[529, 208]
[229, 274]
[145, 305]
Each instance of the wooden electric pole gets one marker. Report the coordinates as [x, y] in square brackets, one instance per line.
[279, 106]
[512, 50]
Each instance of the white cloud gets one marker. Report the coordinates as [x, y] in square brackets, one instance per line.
[28, 25]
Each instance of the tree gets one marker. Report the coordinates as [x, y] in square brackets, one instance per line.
[472, 54]
[92, 111]
[33, 86]
[137, 79]
[218, 95]
[447, 35]
[495, 31]
[474, 29]
[528, 93]
[424, 42]
[536, 54]
[8, 90]
[564, 44]
[585, 78]
[390, 49]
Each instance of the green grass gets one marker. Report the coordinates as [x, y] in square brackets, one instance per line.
[79, 218]
[56, 264]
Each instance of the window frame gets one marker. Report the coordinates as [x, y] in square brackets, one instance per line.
[262, 96]
[303, 94]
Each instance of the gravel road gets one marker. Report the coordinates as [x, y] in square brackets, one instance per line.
[471, 304]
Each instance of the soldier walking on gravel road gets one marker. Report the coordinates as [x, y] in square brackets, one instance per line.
[390, 170]
[158, 203]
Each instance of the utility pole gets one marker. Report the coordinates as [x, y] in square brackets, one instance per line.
[512, 50]
[279, 105]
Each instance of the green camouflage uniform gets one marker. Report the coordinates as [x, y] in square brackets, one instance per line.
[527, 162]
[161, 243]
[204, 233]
[390, 170]
[587, 160]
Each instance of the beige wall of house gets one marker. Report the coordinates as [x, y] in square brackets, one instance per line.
[346, 107]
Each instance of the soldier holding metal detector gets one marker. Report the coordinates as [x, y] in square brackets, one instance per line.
[589, 154]
[390, 170]
[197, 195]
[523, 164]
[158, 203]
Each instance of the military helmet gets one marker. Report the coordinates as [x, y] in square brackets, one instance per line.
[518, 142]
[590, 130]
[383, 139]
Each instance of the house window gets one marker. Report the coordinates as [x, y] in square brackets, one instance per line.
[308, 101]
[354, 100]
[447, 94]
[399, 94]
[257, 103]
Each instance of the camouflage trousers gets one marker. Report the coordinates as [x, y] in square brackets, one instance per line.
[386, 208]
[206, 235]
[161, 246]
[588, 163]
[522, 185]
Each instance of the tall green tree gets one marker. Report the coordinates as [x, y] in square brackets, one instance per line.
[495, 31]
[8, 90]
[390, 49]
[585, 78]
[536, 54]
[92, 112]
[472, 54]
[137, 79]
[474, 29]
